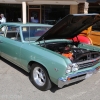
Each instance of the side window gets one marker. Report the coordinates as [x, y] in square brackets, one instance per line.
[33, 32]
[13, 33]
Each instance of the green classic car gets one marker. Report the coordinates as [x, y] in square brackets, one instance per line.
[44, 52]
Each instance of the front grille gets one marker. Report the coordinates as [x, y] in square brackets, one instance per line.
[88, 64]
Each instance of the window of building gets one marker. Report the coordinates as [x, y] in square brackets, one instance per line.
[94, 8]
[11, 11]
[51, 14]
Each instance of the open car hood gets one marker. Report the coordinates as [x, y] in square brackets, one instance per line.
[70, 26]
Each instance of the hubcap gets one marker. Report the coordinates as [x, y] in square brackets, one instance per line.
[39, 76]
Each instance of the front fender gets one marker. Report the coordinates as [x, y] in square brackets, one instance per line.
[53, 62]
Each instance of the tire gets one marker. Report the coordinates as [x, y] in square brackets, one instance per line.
[39, 77]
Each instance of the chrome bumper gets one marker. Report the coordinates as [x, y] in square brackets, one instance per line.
[76, 77]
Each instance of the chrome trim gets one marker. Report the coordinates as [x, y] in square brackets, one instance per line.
[87, 61]
[75, 77]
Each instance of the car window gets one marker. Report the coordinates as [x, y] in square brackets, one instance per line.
[13, 33]
[32, 33]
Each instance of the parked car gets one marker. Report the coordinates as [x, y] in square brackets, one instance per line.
[45, 53]
[90, 36]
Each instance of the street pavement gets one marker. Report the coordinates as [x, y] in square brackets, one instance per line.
[15, 85]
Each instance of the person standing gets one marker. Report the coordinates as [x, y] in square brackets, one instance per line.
[3, 19]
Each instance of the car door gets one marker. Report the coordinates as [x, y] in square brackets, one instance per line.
[11, 45]
[2, 32]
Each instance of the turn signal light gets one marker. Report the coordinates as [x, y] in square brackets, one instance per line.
[68, 79]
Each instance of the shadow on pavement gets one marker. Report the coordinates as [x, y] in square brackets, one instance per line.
[55, 87]
[14, 66]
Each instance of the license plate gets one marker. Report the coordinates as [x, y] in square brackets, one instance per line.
[88, 75]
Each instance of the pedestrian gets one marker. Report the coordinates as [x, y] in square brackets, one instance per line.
[3, 19]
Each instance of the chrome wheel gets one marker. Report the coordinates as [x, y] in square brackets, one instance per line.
[39, 76]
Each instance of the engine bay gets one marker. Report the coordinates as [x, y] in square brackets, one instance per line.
[71, 51]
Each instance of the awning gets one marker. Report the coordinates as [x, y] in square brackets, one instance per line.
[56, 2]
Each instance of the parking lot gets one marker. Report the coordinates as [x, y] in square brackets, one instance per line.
[15, 85]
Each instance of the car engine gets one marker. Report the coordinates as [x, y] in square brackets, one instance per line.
[83, 57]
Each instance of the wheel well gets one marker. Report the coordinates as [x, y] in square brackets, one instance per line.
[33, 62]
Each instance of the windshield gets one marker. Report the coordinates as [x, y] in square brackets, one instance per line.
[32, 33]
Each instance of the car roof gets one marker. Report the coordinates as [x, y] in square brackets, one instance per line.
[26, 24]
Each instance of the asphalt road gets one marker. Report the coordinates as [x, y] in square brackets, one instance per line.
[15, 85]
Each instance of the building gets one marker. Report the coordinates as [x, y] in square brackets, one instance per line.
[45, 11]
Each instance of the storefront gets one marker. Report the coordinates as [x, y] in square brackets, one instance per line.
[46, 12]
[49, 14]
[11, 11]
[94, 6]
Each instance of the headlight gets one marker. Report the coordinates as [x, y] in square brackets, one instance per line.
[75, 67]
[72, 68]
[69, 69]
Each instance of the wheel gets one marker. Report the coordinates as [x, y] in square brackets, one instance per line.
[40, 78]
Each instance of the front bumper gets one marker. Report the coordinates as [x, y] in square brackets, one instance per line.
[76, 77]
